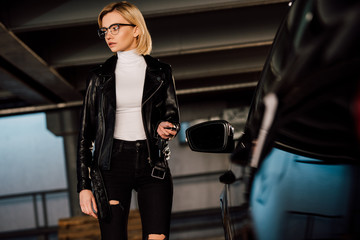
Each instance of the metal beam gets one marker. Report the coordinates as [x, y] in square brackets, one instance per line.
[217, 88]
[38, 108]
[183, 92]
[14, 51]
[218, 63]
[20, 89]
[56, 14]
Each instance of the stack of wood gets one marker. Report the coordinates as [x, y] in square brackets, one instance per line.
[87, 228]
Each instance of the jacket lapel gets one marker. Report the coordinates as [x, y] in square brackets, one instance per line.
[154, 77]
[108, 81]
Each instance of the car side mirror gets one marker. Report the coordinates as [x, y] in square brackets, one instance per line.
[211, 136]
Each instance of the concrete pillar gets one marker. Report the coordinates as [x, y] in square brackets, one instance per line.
[65, 123]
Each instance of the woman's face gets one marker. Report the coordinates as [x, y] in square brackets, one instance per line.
[125, 39]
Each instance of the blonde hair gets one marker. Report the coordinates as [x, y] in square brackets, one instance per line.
[133, 15]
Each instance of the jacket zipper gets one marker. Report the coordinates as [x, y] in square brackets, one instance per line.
[103, 125]
[105, 201]
[103, 116]
[146, 132]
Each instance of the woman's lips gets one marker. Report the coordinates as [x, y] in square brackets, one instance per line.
[110, 44]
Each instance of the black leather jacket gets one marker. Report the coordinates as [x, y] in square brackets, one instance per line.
[159, 103]
[314, 71]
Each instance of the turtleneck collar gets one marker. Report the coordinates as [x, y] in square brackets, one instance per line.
[129, 57]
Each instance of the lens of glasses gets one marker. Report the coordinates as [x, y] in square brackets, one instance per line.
[101, 33]
[114, 29]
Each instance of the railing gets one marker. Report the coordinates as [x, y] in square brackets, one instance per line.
[43, 231]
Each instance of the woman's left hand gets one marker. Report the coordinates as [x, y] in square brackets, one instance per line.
[166, 130]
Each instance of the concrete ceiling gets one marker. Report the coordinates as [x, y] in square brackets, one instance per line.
[216, 48]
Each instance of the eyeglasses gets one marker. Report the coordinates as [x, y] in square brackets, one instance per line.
[114, 29]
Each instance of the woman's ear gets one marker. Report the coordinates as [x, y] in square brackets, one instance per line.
[136, 32]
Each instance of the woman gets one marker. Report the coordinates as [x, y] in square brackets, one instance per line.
[130, 111]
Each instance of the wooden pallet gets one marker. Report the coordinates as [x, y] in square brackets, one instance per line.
[87, 228]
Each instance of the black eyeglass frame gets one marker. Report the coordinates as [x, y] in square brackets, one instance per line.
[102, 31]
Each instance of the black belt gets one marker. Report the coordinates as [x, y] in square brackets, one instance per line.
[122, 144]
[158, 171]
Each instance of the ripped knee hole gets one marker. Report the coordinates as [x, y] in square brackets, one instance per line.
[156, 237]
[114, 202]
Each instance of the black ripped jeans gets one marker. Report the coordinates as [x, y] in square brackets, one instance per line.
[130, 170]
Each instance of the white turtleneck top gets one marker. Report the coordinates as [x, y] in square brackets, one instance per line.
[129, 81]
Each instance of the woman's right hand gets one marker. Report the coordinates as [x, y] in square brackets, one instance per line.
[87, 203]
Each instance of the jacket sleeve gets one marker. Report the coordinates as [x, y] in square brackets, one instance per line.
[86, 136]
